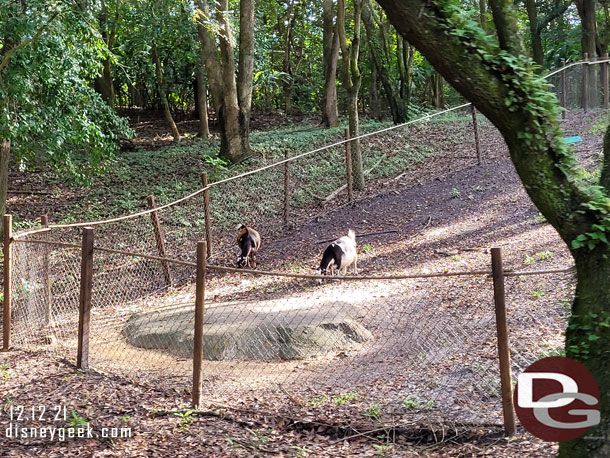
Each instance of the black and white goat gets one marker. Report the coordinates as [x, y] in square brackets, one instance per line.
[249, 242]
[340, 254]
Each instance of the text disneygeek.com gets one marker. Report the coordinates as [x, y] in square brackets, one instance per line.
[15, 431]
[24, 422]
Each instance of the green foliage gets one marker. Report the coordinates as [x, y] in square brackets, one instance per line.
[76, 421]
[4, 371]
[414, 402]
[542, 256]
[589, 335]
[374, 411]
[344, 398]
[185, 418]
[455, 193]
[48, 108]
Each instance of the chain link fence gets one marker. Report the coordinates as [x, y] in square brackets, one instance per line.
[411, 350]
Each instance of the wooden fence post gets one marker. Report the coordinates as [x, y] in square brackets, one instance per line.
[6, 316]
[206, 213]
[84, 308]
[199, 314]
[564, 88]
[44, 222]
[605, 80]
[286, 190]
[475, 126]
[503, 345]
[160, 239]
[585, 83]
[348, 167]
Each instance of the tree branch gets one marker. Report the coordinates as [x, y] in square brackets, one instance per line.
[506, 26]
[557, 11]
[11, 52]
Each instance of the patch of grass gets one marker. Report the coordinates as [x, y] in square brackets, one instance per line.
[185, 419]
[413, 402]
[367, 248]
[374, 411]
[382, 450]
[76, 421]
[542, 256]
[4, 372]
[342, 398]
[455, 193]
[318, 401]
[538, 293]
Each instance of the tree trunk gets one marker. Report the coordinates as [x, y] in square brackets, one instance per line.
[483, 14]
[352, 81]
[530, 127]
[5, 157]
[592, 297]
[330, 39]
[374, 104]
[535, 38]
[202, 102]
[232, 97]
[438, 99]
[381, 63]
[245, 71]
[162, 94]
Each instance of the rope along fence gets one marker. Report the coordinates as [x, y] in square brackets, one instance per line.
[381, 345]
[402, 349]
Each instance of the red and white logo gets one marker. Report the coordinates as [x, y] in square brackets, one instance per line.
[557, 399]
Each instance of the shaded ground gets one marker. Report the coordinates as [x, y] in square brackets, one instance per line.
[446, 217]
[107, 402]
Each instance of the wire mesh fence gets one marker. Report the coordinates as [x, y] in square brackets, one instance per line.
[399, 350]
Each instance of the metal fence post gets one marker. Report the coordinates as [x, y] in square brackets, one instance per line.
[585, 83]
[605, 80]
[199, 314]
[564, 88]
[348, 167]
[286, 190]
[44, 222]
[206, 213]
[84, 309]
[160, 239]
[475, 126]
[503, 345]
[6, 316]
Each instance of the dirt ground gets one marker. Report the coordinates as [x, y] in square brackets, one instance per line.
[436, 230]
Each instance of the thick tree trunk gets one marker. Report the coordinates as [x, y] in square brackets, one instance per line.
[231, 95]
[245, 72]
[352, 81]
[591, 317]
[330, 39]
[162, 94]
[354, 130]
[202, 103]
[530, 127]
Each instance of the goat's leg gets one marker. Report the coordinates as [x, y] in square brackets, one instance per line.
[253, 260]
[356, 265]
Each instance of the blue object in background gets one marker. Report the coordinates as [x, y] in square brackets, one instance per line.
[572, 139]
